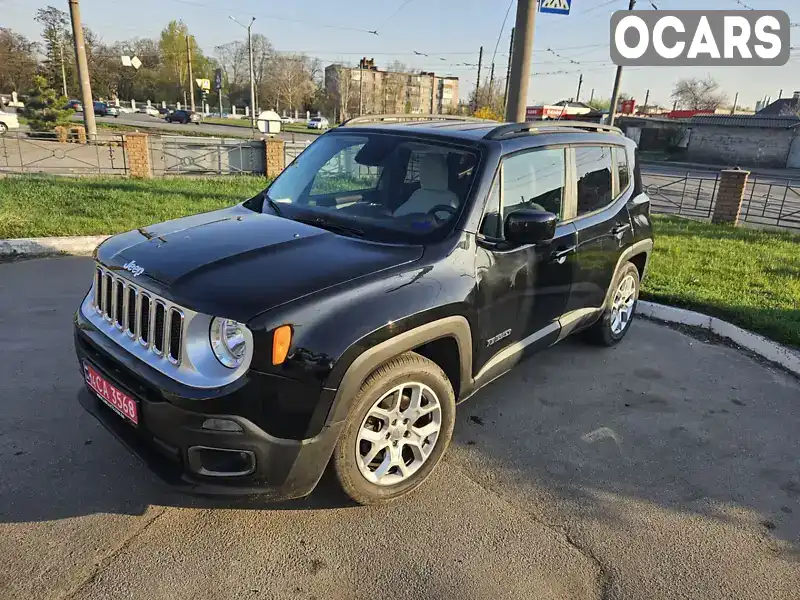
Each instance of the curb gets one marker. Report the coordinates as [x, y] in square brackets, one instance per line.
[48, 246]
[758, 344]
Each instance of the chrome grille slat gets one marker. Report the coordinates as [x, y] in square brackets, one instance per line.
[139, 314]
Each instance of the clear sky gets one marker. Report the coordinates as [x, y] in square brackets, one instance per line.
[450, 32]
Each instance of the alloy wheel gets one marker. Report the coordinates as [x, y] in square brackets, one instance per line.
[398, 434]
[622, 307]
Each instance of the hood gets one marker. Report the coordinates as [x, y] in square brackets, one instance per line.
[236, 263]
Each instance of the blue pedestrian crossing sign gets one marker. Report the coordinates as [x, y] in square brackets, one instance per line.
[556, 7]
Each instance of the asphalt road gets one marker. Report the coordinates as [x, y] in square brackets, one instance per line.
[666, 467]
[147, 121]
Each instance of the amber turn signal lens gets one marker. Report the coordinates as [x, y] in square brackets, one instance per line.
[281, 341]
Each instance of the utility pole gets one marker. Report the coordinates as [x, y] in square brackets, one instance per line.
[433, 94]
[735, 103]
[578, 94]
[521, 61]
[508, 69]
[646, 99]
[478, 80]
[361, 87]
[591, 98]
[83, 70]
[63, 69]
[252, 73]
[491, 85]
[780, 94]
[191, 76]
[617, 83]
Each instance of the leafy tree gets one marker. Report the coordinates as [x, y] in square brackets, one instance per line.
[17, 60]
[57, 39]
[44, 108]
[699, 94]
[599, 104]
[486, 112]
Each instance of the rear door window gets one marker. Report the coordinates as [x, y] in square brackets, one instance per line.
[594, 168]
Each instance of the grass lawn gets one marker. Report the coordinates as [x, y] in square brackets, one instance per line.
[52, 206]
[745, 276]
[748, 277]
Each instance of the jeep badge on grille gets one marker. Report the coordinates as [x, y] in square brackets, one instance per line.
[134, 269]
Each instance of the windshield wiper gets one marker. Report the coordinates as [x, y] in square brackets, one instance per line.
[272, 204]
[330, 226]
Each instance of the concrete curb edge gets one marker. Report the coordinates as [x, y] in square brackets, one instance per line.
[771, 351]
[48, 246]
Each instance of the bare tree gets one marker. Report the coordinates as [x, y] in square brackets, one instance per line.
[395, 87]
[699, 94]
[17, 60]
[342, 89]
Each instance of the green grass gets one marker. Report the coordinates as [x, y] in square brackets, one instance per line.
[52, 206]
[745, 276]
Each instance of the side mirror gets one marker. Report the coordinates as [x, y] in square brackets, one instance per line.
[528, 226]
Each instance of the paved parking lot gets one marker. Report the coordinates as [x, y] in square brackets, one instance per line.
[663, 468]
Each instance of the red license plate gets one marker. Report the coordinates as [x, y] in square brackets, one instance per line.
[121, 403]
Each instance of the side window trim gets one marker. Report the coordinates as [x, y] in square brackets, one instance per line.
[497, 180]
[624, 151]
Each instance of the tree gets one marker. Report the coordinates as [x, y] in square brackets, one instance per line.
[44, 109]
[57, 40]
[175, 68]
[490, 96]
[17, 60]
[599, 104]
[699, 94]
[395, 83]
[342, 90]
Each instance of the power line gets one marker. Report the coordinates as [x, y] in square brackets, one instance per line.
[394, 14]
[502, 27]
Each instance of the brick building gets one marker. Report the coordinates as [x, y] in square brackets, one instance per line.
[368, 90]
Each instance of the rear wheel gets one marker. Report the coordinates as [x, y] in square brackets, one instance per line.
[618, 315]
[3, 128]
[398, 429]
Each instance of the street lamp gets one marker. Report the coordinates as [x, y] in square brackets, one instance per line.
[252, 85]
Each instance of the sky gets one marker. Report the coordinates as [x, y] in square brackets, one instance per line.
[449, 32]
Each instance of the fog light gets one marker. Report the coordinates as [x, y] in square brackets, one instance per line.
[222, 425]
[221, 462]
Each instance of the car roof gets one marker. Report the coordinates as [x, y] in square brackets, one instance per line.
[511, 136]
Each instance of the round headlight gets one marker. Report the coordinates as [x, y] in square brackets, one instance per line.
[228, 341]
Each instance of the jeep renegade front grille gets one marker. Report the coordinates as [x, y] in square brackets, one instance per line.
[157, 324]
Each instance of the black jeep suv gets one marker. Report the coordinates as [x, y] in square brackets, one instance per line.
[337, 318]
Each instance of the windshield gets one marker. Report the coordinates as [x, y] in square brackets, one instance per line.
[388, 187]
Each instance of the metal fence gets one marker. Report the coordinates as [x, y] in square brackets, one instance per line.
[773, 202]
[690, 195]
[48, 153]
[767, 201]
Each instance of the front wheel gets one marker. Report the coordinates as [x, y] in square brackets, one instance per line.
[618, 315]
[3, 128]
[398, 429]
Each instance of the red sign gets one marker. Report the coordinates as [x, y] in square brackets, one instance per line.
[628, 106]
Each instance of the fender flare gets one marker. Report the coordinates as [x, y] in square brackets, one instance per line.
[455, 326]
[641, 247]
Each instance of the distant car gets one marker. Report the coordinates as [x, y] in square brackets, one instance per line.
[74, 105]
[318, 123]
[287, 119]
[183, 116]
[148, 110]
[8, 120]
[101, 109]
[163, 111]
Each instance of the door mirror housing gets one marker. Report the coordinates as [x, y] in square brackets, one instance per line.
[529, 226]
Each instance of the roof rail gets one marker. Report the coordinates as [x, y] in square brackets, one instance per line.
[407, 117]
[512, 129]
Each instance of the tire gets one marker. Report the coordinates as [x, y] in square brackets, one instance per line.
[394, 383]
[607, 331]
[3, 128]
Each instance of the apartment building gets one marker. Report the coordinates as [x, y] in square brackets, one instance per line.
[368, 90]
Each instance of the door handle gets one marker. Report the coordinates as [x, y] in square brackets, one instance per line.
[560, 255]
[620, 230]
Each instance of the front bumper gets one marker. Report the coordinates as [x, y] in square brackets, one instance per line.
[170, 427]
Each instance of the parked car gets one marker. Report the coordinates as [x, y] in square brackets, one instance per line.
[148, 110]
[74, 105]
[163, 110]
[101, 109]
[318, 123]
[8, 120]
[340, 315]
[183, 116]
[287, 120]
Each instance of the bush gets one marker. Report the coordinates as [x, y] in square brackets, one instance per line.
[44, 109]
[486, 112]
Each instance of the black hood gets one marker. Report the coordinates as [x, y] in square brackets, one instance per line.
[237, 263]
